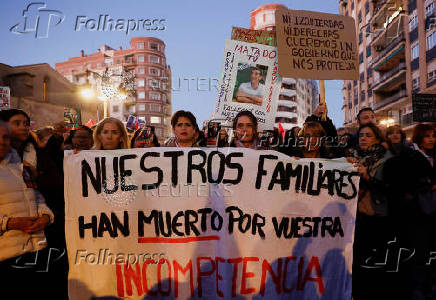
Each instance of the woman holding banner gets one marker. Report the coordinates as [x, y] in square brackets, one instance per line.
[373, 226]
[110, 134]
[185, 130]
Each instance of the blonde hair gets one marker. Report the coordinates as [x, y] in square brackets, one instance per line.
[124, 138]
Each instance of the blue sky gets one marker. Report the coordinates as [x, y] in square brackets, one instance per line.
[195, 34]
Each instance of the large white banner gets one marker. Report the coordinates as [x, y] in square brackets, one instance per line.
[249, 81]
[171, 223]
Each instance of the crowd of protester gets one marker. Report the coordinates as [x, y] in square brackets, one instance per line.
[396, 201]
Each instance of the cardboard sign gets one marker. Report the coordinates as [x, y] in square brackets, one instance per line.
[249, 81]
[316, 45]
[254, 36]
[424, 107]
[5, 97]
[189, 223]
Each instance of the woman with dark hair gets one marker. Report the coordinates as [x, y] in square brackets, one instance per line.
[396, 139]
[185, 130]
[411, 179]
[312, 135]
[245, 128]
[81, 138]
[373, 227]
[110, 134]
[21, 139]
[23, 218]
[144, 137]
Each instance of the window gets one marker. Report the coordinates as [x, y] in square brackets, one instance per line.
[141, 107]
[360, 38]
[140, 70]
[155, 107]
[413, 22]
[415, 51]
[140, 45]
[360, 58]
[431, 75]
[154, 83]
[359, 17]
[159, 132]
[431, 40]
[164, 97]
[415, 83]
[155, 120]
[154, 59]
[115, 108]
[153, 46]
[141, 95]
[141, 58]
[366, 7]
[368, 51]
[108, 61]
[154, 71]
[429, 9]
[155, 96]
[141, 83]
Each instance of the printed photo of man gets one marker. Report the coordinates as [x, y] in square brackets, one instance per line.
[251, 92]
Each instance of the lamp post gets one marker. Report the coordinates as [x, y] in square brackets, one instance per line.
[108, 88]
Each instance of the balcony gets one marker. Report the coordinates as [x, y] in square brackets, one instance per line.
[388, 28]
[406, 120]
[395, 97]
[129, 62]
[283, 97]
[396, 52]
[391, 80]
[377, 9]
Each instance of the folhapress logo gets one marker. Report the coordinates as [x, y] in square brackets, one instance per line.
[38, 19]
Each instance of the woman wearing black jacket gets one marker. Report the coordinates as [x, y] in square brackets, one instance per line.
[411, 181]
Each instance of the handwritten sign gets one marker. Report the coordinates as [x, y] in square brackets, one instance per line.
[249, 81]
[316, 45]
[263, 37]
[5, 97]
[185, 223]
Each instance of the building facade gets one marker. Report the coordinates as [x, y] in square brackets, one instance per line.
[147, 62]
[46, 95]
[396, 41]
[296, 95]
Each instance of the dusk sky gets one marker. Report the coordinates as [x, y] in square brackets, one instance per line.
[195, 34]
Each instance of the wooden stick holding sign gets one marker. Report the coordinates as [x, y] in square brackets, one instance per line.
[322, 99]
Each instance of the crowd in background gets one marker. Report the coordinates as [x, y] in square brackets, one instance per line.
[396, 201]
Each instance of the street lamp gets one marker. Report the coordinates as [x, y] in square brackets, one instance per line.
[387, 122]
[108, 88]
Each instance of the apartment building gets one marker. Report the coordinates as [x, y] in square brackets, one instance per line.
[397, 54]
[147, 62]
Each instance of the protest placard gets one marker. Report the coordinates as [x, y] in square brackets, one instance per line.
[424, 107]
[316, 45]
[263, 37]
[249, 81]
[197, 223]
[5, 97]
